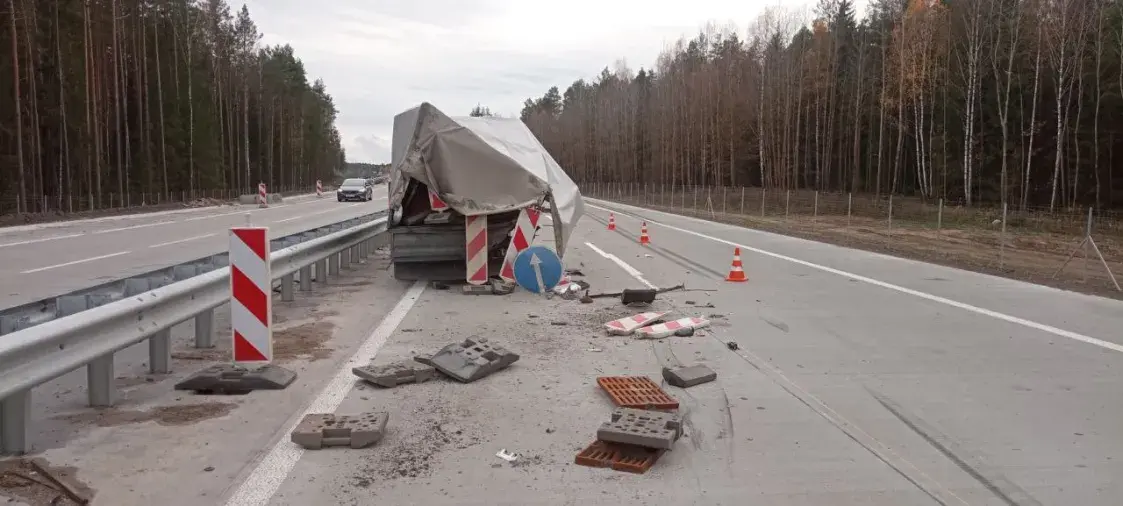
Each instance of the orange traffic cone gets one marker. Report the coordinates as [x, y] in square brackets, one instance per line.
[736, 273]
[612, 221]
[643, 239]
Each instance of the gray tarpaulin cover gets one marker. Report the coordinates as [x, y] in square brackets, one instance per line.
[480, 166]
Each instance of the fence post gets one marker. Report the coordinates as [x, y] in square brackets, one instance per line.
[695, 198]
[939, 217]
[787, 203]
[1002, 240]
[742, 200]
[763, 194]
[815, 211]
[849, 206]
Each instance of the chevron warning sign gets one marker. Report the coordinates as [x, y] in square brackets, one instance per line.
[251, 301]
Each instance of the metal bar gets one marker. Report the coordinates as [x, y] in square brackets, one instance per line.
[287, 282]
[99, 377]
[306, 278]
[160, 352]
[204, 329]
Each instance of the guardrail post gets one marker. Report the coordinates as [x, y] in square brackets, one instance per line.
[286, 288]
[204, 329]
[99, 376]
[322, 270]
[356, 253]
[160, 352]
[15, 416]
[306, 278]
[345, 258]
[333, 264]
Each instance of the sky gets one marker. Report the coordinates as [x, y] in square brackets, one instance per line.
[381, 57]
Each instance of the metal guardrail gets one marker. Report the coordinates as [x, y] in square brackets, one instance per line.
[41, 311]
[35, 355]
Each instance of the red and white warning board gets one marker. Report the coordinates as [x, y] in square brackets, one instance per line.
[435, 202]
[251, 301]
[662, 330]
[475, 248]
[525, 229]
[625, 326]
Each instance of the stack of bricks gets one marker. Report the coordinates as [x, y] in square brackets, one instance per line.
[644, 425]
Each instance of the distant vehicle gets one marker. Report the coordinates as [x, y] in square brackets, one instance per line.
[354, 189]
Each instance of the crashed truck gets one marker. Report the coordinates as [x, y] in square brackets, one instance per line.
[466, 194]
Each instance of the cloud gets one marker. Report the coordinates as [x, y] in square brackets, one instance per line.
[381, 57]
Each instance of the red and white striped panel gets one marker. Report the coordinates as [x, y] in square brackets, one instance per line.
[251, 301]
[262, 197]
[525, 229]
[665, 329]
[625, 326]
[475, 248]
[319, 188]
[435, 202]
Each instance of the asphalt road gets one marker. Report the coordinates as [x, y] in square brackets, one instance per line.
[857, 379]
[56, 258]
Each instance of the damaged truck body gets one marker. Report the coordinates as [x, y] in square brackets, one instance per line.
[452, 178]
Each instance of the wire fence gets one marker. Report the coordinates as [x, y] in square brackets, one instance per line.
[1034, 244]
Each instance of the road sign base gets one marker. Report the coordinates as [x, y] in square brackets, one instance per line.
[230, 379]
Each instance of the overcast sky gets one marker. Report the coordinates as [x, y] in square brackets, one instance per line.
[381, 57]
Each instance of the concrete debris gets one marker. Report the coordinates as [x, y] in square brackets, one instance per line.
[506, 455]
[500, 287]
[230, 379]
[626, 326]
[643, 296]
[397, 373]
[586, 299]
[686, 377]
[426, 359]
[472, 359]
[732, 345]
[318, 430]
[477, 289]
[685, 332]
[662, 330]
[650, 429]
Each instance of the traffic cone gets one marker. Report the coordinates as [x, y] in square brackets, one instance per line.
[736, 273]
[643, 239]
[612, 221]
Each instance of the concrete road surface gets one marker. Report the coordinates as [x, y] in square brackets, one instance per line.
[55, 258]
[856, 379]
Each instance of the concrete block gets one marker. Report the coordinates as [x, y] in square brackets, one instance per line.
[318, 430]
[425, 358]
[686, 377]
[230, 379]
[477, 289]
[472, 359]
[650, 429]
[397, 373]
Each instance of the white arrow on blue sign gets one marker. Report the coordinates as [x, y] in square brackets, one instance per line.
[538, 269]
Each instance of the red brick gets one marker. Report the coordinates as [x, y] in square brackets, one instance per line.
[636, 392]
[620, 457]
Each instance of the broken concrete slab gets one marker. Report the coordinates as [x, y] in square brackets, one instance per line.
[318, 430]
[686, 377]
[426, 358]
[396, 373]
[650, 429]
[230, 379]
[472, 359]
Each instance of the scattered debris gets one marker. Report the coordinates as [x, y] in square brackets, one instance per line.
[559, 323]
[651, 429]
[662, 330]
[508, 456]
[574, 272]
[636, 392]
[32, 481]
[437, 285]
[586, 299]
[501, 287]
[685, 332]
[594, 349]
[626, 326]
[690, 302]
[732, 345]
[472, 359]
[318, 430]
[619, 457]
[642, 296]
[686, 377]
[426, 359]
[397, 373]
[619, 294]
[647, 255]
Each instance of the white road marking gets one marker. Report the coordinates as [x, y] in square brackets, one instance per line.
[635, 273]
[82, 261]
[33, 241]
[271, 472]
[916, 293]
[314, 214]
[133, 227]
[169, 243]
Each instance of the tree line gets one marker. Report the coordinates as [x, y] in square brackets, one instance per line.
[979, 101]
[103, 99]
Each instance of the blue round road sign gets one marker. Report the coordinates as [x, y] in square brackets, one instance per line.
[538, 269]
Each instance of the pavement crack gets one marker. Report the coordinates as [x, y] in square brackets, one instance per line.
[992, 480]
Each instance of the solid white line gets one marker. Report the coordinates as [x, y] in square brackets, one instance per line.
[84, 260]
[271, 472]
[181, 240]
[916, 293]
[635, 273]
[33, 241]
